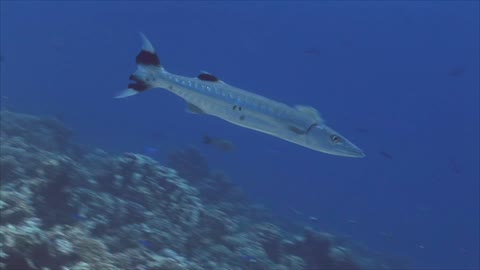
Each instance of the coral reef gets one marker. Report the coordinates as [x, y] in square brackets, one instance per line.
[68, 207]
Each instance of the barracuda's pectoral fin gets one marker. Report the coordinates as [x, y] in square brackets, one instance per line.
[301, 131]
[314, 116]
[194, 109]
[312, 112]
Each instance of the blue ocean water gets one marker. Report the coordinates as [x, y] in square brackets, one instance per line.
[400, 79]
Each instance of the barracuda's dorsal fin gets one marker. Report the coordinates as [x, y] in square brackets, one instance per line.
[312, 112]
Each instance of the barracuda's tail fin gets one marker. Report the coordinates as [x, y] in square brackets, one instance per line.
[148, 64]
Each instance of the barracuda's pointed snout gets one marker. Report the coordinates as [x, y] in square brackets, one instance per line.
[346, 149]
[324, 139]
[354, 151]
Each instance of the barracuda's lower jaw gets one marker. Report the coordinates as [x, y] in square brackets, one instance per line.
[355, 153]
[359, 155]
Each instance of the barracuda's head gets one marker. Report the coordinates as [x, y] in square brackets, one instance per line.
[324, 139]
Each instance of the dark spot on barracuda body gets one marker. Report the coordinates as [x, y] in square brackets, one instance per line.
[147, 58]
[239, 108]
[234, 107]
[133, 78]
[138, 86]
[242, 117]
[207, 77]
[170, 87]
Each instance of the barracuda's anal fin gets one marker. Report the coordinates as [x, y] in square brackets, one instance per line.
[194, 109]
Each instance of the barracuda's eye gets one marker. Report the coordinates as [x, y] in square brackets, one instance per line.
[335, 139]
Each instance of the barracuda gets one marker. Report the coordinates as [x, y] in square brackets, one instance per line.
[206, 94]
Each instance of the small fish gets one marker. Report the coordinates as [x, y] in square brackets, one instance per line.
[208, 95]
[60, 116]
[386, 235]
[313, 219]
[385, 155]
[224, 145]
[361, 130]
[424, 208]
[352, 221]
[249, 258]
[145, 243]
[3, 102]
[296, 211]
[78, 217]
[312, 51]
[454, 165]
[456, 72]
[150, 150]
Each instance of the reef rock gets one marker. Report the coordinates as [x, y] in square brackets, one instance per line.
[64, 206]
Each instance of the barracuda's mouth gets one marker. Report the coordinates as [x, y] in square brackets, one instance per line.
[351, 151]
[356, 153]
[324, 139]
